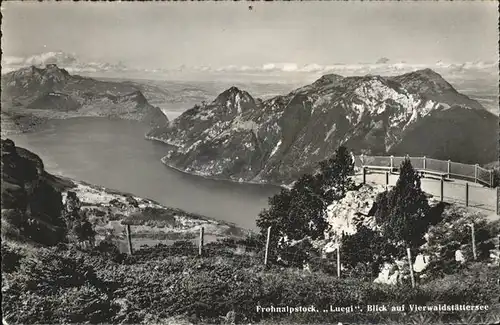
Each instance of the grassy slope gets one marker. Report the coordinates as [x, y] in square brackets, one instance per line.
[66, 285]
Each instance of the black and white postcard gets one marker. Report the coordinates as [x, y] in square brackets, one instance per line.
[220, 162]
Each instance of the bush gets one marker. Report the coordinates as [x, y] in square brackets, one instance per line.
[10, 258]
[454, 233]
[366, 251]
[109, 250]
[48, 288]
[153, 217]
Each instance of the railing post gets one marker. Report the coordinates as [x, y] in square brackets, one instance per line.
[411, 267]
[491, 178]
[386, 181]
[449, 168]
[266, 256]
[475, 172]
[200, 247]
[498, 201]
[467, 194]
[129, 239]
[392, 162]
[364, 175]
[442, 190]
[424, 163]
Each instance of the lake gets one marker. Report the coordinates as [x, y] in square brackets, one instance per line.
[114, 154]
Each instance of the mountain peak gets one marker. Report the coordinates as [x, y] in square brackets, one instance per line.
[427, 72]
[51, 71]
[232, 94]
[54, 69]
[233, 91]
[235, 98]
[424, 81]
[328, 79]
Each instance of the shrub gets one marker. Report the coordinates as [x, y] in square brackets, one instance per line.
[10, 258]
[58, 287]
[454, 233]
[49, 288]
[153, 217]
[366, 251]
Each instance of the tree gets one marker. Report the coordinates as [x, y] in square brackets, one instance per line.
[404, 211]
[299, 213]
[335, 174]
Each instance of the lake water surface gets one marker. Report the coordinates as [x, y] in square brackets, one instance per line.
[114, 154]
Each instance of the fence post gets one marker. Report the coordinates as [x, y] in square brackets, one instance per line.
[386, 181]
[200, 247]
[491, 178]
[442, 190]
[364, 175]
[267, 245]
[498, 201]
[449, 168]
[466, 194]
[498, 251]
[129, 239]
[473, 235]
[392, 162]
[338, 258]
[475, 173]
[424, 163]
[411, 268]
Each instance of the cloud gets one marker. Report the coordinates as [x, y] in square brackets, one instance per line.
[69, 61]
[74, 64]
[479, 67]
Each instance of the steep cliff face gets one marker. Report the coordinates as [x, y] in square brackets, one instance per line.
[31, 201]
[242, 138]
[53, 90]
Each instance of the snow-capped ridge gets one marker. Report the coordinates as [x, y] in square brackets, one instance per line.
[282, 137]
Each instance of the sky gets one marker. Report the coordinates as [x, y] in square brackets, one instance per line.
[218, 34]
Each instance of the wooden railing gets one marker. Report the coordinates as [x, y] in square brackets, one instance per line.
[447, 168]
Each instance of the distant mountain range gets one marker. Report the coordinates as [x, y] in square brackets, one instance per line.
[242, 138]
[477, 79]
[53, 92]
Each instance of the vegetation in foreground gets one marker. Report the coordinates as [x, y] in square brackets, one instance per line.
[67, 285]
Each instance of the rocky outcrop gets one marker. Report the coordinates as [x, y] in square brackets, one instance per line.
[31, 204]
[356, 207]
[52, 92]
[241, 138]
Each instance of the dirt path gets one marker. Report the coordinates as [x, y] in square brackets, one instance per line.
[480, 197]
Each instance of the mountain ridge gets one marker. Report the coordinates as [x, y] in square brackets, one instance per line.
[54, 92]
[241, 138]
